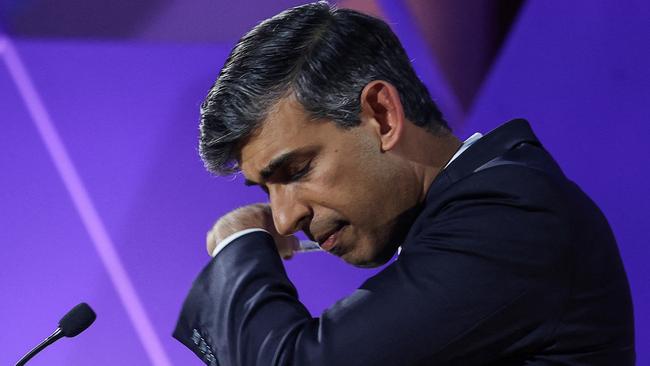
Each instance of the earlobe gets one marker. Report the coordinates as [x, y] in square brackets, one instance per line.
[382, 108]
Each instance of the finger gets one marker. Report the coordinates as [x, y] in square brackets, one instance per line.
[287, 246]
[295, 244]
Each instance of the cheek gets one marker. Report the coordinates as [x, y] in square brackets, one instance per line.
[352, 180]
[359, 191]
[339, 180]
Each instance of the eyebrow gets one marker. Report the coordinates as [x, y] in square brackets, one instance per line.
[276, 163]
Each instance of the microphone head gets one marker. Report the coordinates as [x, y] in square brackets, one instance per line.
[77, 320]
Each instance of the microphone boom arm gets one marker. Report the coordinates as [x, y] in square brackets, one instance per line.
[49, 340]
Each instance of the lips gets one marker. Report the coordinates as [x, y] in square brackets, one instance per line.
[328, 241]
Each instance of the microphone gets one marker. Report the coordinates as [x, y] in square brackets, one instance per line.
[72, 323]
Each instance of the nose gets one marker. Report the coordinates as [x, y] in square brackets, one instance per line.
[289, 211]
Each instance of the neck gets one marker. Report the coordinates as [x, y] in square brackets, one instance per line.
[428, 154]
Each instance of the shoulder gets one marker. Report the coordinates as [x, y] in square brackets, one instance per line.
[512, 188]
[509, 211]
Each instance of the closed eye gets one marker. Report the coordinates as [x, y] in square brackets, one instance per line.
[301, 173]
[286, 168]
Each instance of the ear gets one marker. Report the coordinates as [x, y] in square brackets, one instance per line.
[382, 109]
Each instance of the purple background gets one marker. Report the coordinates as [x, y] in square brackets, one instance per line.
[103, 198]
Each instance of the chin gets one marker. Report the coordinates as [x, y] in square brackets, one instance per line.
[371, 259]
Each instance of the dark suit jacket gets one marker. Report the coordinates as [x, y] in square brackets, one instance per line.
[508, 263]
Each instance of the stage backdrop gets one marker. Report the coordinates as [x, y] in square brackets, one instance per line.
[103, 198]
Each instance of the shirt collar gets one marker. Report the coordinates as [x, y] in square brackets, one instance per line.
[466, 144]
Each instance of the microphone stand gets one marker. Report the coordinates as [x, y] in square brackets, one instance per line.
[49, 340]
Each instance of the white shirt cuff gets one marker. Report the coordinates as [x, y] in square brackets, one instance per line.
[232, 238]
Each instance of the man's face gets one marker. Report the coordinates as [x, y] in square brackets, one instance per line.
[337, 185]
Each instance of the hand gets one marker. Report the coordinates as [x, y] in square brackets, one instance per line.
[253, 216]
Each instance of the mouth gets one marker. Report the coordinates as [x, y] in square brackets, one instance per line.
[329, 240]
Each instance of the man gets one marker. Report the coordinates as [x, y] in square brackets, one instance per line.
[504, 260]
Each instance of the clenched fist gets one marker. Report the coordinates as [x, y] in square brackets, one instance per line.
[248, 217]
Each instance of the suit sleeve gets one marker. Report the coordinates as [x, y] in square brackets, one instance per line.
[486, 278]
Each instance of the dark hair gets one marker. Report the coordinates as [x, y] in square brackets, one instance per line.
[323, 56]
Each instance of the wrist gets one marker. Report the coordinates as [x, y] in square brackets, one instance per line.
[232, 237]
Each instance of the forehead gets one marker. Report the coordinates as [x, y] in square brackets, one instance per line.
[286, 128]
